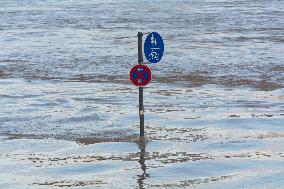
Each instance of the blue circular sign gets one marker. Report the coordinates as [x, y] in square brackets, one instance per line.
[154, 47]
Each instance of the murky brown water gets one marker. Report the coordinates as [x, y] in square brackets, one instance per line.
[214, 111]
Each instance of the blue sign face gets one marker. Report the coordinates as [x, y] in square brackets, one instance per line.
[154, 47]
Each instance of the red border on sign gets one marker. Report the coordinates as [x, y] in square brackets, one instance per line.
[146, 69]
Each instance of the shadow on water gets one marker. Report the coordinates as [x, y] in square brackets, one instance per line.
[142, 143]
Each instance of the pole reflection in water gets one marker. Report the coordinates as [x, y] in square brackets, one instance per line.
[142, 146]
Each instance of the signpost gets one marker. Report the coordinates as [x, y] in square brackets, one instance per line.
[140, 75]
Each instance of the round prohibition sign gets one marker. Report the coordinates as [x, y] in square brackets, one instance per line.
[140, 75]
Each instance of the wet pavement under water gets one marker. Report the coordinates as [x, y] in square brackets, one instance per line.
[214, 111]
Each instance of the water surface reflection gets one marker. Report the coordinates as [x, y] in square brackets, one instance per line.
[142, 143]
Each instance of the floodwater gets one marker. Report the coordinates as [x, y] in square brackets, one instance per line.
[214, 111]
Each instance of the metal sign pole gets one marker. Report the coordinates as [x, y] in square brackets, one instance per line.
[141, 106]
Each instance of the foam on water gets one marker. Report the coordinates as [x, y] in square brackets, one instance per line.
[214, 111]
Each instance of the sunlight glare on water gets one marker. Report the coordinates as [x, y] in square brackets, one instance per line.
[213, 111]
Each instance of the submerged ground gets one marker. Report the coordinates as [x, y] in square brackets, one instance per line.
[214, 110]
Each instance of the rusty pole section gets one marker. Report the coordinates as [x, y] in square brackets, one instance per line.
[141, 106]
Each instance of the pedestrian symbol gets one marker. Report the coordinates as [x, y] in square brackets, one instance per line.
[154, 47]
